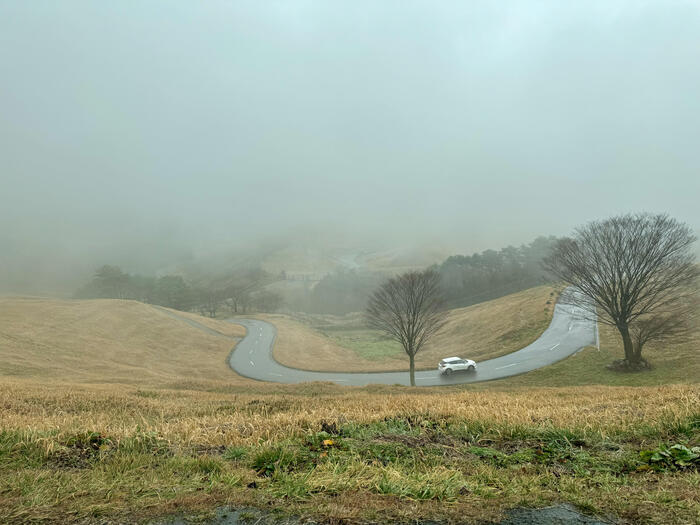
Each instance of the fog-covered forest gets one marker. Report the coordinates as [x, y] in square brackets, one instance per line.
[467, 279]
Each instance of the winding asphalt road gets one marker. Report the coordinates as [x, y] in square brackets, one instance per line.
[571, 329]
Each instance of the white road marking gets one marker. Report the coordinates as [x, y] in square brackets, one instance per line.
[555, 346]
[252, 364]
[506, 366]
[273, 374]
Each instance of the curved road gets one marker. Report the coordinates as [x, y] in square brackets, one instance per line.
[569, 331]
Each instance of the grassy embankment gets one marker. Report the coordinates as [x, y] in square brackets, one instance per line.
[480, 332]
[109, 341]
[157, 443]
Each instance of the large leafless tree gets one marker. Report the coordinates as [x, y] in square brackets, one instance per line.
[638, 274]
[409, 308]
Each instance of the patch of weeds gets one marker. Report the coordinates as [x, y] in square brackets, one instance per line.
[145, 443]
[501, 459]
[22, 449]
[577, 462]
[291, 486]
[405, 425]
[268, 407]
[87, 441]
[148, 394]
[439, 484]
[417, 422]
[323, 441]
[229, 479]
[235, 453]
[205, 465]
[470, 431]
[674, 457]
[689, 428]
[282, 458]
[384, 453]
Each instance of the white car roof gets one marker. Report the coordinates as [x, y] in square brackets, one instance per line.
[447, 359]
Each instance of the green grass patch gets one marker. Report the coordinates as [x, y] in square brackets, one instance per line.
[367, 344]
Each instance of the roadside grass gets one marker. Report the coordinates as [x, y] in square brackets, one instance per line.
[479, 332]
[107, 453]
[679, 364]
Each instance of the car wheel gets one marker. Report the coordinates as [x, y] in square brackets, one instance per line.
[448, 371]
[471, 368]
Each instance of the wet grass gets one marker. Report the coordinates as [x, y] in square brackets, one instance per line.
[70, 456]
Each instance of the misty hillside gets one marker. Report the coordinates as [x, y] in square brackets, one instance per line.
[108, 341]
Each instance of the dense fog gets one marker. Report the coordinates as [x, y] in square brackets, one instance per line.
[191, 138]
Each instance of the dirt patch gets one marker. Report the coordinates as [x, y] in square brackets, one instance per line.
[80, 451]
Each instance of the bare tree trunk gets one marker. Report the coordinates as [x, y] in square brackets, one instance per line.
[638, 353]
[628, 344]
[412, 369]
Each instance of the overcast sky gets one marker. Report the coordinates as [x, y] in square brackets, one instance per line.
[478, 124]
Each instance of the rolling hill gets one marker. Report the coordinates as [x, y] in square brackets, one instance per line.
[109, 341]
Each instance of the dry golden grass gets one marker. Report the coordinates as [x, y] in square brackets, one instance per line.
[109, 341]
[226, 328]
[242, 415]
[479, 332]
[167, 451]
[299, 346]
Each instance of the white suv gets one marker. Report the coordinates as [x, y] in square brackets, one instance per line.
[454, 364]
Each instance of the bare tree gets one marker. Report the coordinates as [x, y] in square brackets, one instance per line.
[637, 273]
[408, 308]
[210, 299]
[236, 297]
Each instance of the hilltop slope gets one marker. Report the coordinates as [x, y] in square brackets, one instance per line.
[109, 341]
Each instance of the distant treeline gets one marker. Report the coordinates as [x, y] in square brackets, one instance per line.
[467, 280]
[471, 279]
[337, 293]
[245, 294]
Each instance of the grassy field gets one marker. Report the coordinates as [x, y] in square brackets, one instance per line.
[120, 454]
[163, 427]
[479, 332]
[109, 341]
